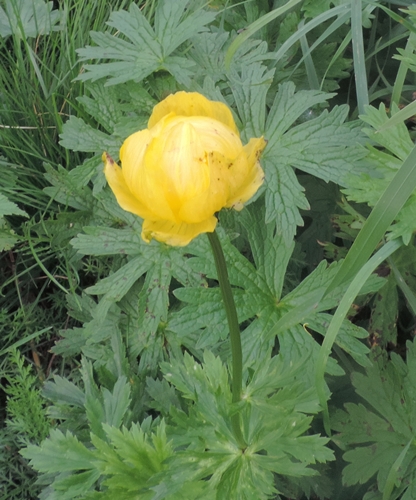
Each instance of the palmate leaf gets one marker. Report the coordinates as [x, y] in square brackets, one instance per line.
[79, 136]
[62, 391]
[133, 457]
[381, 166]
[260, 299]
[285, 198]
[349, 336]
[163, 395]
[60, 453]
[271, 257]
[377, 438]
[7, 207]
[324, 147]
[206, 310]
[25, 19]
[207, 52]
[106, 405]
[116, 454]
[139, 49]
[404, 226]
[147, 303]
[153, 301]
[121, 111]
[110, 389]
[272, 425]
[8, 238]
[108, 241]
[94, 405]
[250, 89]
[64, 190]
[125, 460]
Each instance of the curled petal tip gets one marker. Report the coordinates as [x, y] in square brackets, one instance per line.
[107, 158]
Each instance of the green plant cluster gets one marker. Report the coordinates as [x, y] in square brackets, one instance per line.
[115, 360]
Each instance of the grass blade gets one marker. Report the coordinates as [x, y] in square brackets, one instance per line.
[25, 340]
[393, 473]
[309, 64]
[360, 71]
[317, 21]
[401, 74]
[254, 27]
[399, 117]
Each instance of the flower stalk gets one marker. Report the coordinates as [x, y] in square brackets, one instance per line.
[177, 175]
[235, 339]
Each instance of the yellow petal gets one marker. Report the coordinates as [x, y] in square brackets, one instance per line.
[247, 187]
[179, 158]
[215, 197]
[192, 104]
[215, 136]
[177, 235]
[131, 156]
[146, 185]
[124, 196]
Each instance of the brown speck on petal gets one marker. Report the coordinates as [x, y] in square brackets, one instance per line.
[107, 158]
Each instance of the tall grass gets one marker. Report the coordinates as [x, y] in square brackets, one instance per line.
[38, 92]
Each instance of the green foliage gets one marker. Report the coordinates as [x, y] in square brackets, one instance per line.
[383, 326]
[195, 435]
[8, 238]
[28, 19]
[323, 147]
[132, 338]
[9, 208]
[382, 165]
[145, 50]
[313, 8]
[17, 479]
[271, 447]
[387, 306]
[126, 458]
[25, 408]
[381, 434]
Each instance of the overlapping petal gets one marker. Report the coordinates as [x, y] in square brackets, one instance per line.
[254, 177]
[215, 197]
[125, 198]
[189, 164]
[177, 235]
[192, 104]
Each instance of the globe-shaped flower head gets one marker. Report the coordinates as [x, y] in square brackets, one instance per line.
[186, 166]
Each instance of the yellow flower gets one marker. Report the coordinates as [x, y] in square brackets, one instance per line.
[186, 166]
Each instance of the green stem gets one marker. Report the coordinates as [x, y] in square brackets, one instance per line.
[233, 325]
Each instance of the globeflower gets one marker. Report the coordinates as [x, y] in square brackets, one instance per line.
[186, 166]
